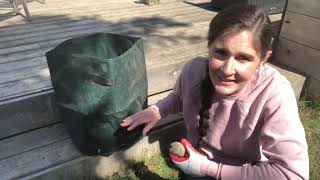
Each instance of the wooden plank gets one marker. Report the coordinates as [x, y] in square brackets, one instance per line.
[302, 29]
[138, 27]
[163, 21]
[306, 7]
[22, 55]
[27, 114]
[56, 156]
[296, 80]
[22, 70]
[171, 55]
[100, 13]
[45, 30]
[23, 87]
[7, 51]
[313, 87]
[37, 83]
[40, 66]
[74, 31]
[20, 66]
[168, 39]
[155, 98]
[38, 159]
[100, 166]
[298, 57]
[163, 77]
[25, 142]
[25, 73]
[46, 11]
[66, 6]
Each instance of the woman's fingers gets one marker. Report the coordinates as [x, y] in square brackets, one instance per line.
[146, 116]
[147, 128]
[136, 122]
[127, 121]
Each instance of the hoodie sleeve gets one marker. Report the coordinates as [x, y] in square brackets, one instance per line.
[282, 139]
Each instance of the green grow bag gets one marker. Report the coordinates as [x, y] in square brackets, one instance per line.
[98, 81]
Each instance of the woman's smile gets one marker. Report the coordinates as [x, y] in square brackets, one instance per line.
[232, 62]
[225, 81]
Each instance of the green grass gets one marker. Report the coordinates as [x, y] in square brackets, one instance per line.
[310, 116]
[154, 167]
[150, 167]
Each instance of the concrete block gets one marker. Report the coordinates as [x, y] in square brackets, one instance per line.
[313, 87]
[296, 80]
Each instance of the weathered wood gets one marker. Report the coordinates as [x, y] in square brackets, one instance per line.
[25, 73]
[170, 55]
[45, 30]
[22, 55]
[37, 159]
[102, 13]
[59, 156]
[155, 98]
[313, 86]
[28, 141]
[306, 7]
[50, 146]
[156, 58]
[302, 29]
[296, 80]
[16, 66]
[10, 50]
[139, 27]
[301, 58]
[27, 114]
[23, 87]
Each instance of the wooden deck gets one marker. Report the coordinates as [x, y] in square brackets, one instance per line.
[164, 28]
[32, 138]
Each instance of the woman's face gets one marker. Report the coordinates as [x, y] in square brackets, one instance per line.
[232, 62]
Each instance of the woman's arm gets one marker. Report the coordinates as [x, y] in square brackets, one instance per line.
[283, 143]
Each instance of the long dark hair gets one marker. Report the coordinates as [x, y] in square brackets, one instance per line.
[234, 19]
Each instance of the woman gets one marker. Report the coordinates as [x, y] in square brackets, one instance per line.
[239, 111]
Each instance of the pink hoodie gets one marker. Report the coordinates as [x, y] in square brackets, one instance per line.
[256, 133]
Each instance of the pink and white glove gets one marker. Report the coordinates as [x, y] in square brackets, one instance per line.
[195, 163]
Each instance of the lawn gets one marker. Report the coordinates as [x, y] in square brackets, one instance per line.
[310, 117]
[157, 167]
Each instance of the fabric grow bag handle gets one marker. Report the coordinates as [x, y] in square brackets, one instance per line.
[102, 80]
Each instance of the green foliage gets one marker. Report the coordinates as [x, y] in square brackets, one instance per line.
[155, 167]
[310, 116]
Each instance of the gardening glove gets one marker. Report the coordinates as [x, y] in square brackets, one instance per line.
[194, 163]
[149, 117]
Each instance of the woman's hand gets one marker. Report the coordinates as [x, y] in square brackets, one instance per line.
[195, 163]
[149, 117]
